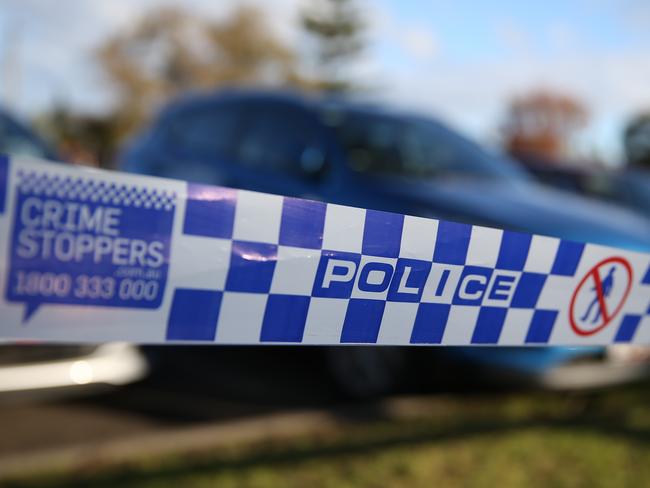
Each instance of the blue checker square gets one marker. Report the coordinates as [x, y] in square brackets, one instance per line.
[528, 290]
[567, 258]
[408, 281]
[472, 285]
[284, 318]
[541, 326]
[302, 223]
[430, 323]
[335, 274]
[209, 211]
[4, 181]
[251, 267]
[382, 234]
[646, 277]
[627, 329]
[452, 242]
[513, 250]
[193, 315]
[489, 325]
[362, 321]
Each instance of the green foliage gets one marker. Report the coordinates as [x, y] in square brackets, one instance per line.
[78, 138]
[336, 27]
[171, 51]
[525, 439]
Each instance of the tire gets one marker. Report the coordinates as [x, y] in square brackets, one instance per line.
[366, 372]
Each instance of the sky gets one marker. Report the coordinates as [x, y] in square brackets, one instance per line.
[461, 60]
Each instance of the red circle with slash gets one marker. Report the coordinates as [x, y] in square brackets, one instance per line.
[607, 316]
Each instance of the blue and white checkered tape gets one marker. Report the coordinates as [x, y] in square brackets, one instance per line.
[89, 256]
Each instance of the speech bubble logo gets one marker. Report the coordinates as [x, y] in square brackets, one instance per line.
[81, 241]
[30, 309]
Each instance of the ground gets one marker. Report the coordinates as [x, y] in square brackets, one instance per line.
[488, 439]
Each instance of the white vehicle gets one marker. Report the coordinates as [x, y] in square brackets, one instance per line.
[35, 368]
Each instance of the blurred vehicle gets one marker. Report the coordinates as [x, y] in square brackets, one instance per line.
[15, 138]
[35, 369]
[627, 187]
[26, 369]
[368, 156]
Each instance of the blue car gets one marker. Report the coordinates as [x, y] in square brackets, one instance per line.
[368, 156]
[627, 187]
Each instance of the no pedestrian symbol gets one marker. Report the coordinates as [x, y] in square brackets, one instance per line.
[600, 296]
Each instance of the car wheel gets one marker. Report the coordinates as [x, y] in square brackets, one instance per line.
[366, 372]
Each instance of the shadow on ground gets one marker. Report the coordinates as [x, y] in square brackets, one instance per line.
[619, 414]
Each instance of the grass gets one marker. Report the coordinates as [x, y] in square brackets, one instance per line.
[520, 439]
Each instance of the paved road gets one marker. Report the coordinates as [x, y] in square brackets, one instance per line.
[188, 385]
[191, 385]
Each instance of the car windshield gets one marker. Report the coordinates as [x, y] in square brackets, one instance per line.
[16, 140]
[413, 147]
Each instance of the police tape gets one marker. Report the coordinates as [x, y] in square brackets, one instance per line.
[93, 256]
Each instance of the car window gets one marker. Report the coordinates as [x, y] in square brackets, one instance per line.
[16, 140]
[630, 187]
[277, 137]
[205, 130]
[414, 147]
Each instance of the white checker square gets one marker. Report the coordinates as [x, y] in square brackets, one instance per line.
[515, 327]
[200, 262]
[541, 254]
[325, 320]
[460, 325]
[557, 291]
[240, 318]
[343, 229]
[295, 271]
[418, 238]
[257, 217]
[397, 323]
[374, 277]
[484, 247]
[441, 283]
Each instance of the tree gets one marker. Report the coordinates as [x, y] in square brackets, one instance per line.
[637, 141]
[336, 28]
[543, 125]
[80, 139]
[171, 51]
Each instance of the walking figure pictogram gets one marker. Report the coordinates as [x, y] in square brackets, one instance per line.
[607, 285]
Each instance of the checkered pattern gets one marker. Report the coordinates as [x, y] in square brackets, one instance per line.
[253, 268]
[89, 190]
[635, 327]
[265, 256]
